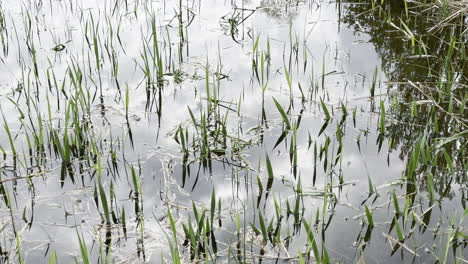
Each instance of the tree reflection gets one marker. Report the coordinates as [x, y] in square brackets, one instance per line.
[428, 66]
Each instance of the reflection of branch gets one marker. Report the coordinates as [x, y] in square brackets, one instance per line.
[403, 245]
[43, 173]
[461, 120]
[462, 9]
[452, 138]
[245, 9]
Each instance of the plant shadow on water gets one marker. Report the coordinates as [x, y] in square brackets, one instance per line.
[267, 131]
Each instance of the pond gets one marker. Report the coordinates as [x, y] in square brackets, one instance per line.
[241, 131]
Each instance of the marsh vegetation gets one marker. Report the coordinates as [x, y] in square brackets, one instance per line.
[240, 131]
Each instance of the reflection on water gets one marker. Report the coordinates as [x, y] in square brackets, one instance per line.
[269, 131]
[433, 69]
